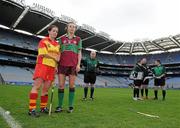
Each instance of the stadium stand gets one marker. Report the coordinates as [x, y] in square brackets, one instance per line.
[110, 80]
[173, 82]
[12, 38]
[18, 50]
[16, 75]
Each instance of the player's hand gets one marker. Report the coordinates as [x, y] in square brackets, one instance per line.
[57, 58]
[56, 70]
[158, 77]
[78, 68]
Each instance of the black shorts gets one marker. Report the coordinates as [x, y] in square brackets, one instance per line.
[90, 77]
[159, 82]
[138, 82]
[146, 82]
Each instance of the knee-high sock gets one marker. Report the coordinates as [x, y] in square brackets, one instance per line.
[44, 101]
[146, 92]
[142, 92]
[61, 97]
[164, 93]
[71, 96]
[134, 92]
[32, 101]
[92, 92]
[137, 92]
[156, 93]
[85, 92]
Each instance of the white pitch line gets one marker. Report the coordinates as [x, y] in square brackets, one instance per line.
[149, 115]
[145, 114]
[9, 119]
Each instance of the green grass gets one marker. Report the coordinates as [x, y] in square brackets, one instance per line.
[110, 109]
[3, 123]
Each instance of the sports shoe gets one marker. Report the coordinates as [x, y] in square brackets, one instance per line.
[139, 98]
[44, 110]
[33, 113]
[135, 98]
[70, 110]
[84, 99]
[155, 98]
[58, 109]
[91, 98]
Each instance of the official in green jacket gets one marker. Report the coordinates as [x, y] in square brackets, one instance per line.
[159, 72]
[91, 66]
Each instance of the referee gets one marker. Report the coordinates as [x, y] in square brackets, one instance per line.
[91, 65]
[159, 72]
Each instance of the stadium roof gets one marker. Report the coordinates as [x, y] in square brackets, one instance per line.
[15, 14]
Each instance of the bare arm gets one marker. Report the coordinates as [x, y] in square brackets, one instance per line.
[79, 61]
[79, 57]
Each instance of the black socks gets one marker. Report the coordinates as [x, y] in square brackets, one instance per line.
[92, 92]
[156, 94]
[164, 94]
[136, 92]
[85, 92]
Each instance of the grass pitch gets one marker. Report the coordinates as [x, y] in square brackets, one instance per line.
[110, 109]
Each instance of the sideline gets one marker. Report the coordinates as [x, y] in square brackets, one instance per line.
[9, 119]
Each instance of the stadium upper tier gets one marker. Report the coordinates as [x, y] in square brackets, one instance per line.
[36, 19]
[15, 39]
[10, 41]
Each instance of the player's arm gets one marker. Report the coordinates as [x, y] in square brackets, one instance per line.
[42, 51]
[51, 56]
[133, 75]
[79, 56]
[79, 60]
[159, 77]
[149, 70]
[97, 67]
[56, 58]
[153, 72]
[85, 62]
[164, 73]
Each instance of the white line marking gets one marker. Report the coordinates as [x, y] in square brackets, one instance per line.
[145, 114]
[149, 115]
[9, 119]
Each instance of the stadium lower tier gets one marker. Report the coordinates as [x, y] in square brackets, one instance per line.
[23, 76]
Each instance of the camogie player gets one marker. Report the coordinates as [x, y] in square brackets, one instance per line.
[48, 56]
[69, 64]
[146, 72]
[138, 76]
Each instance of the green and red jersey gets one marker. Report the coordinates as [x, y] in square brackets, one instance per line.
[69, 50]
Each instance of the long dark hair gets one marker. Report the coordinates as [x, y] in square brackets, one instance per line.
[51, 27]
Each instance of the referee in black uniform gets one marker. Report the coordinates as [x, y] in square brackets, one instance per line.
[91, 66]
